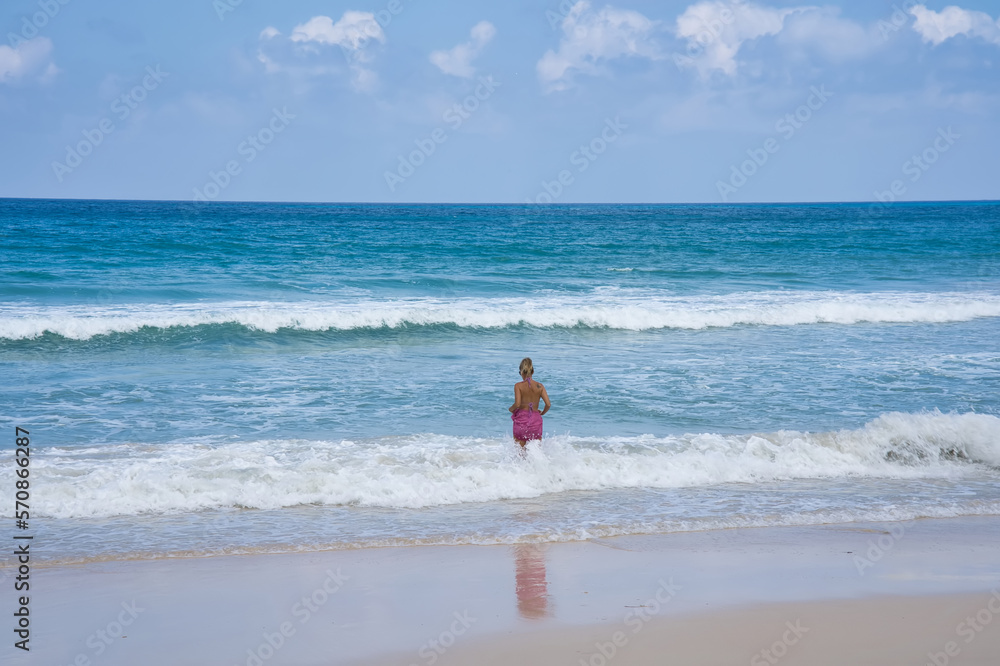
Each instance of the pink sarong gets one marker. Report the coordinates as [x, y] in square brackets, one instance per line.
[527, 423]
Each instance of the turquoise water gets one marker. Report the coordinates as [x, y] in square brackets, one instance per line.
[285, 376]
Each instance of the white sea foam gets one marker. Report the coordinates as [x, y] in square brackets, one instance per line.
[431, 470]
[625, 309]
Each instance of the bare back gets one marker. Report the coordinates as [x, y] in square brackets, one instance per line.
[530, 393]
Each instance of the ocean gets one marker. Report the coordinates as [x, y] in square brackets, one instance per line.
[250, 377]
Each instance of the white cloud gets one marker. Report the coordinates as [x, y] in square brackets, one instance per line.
[458, 61]
[822, 30]
[590, 38]
[355, 33]
[270, 65]
[715, 31]
[936, 27]
[32, 57]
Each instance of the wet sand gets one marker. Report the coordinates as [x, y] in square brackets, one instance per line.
[888, 593]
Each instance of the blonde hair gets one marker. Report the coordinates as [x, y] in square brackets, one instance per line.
[526, 367]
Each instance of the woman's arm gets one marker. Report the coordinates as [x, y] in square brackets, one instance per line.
[545, 397]
[517, 399]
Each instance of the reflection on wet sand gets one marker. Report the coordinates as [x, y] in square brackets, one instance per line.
[530, 583]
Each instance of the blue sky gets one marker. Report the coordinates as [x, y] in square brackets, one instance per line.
[414, 100]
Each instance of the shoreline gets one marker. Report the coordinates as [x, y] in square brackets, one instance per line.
[387, 605]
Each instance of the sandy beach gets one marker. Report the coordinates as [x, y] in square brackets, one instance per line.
[560, 333]
[880, 631]
[888, 593]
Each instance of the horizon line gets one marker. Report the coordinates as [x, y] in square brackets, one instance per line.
[502, 203]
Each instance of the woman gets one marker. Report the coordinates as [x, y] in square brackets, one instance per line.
[527, 393]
